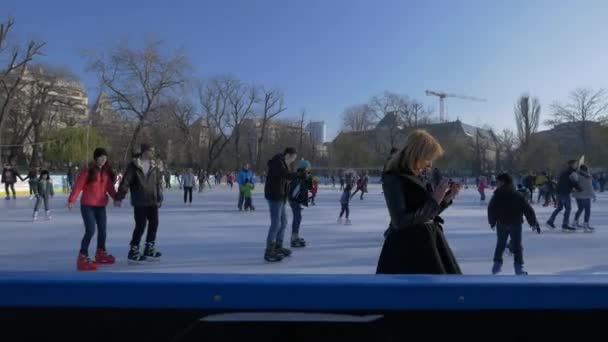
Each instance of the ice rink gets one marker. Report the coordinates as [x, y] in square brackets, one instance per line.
[213, 237]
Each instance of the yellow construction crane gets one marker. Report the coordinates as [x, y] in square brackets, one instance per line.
[442, 95]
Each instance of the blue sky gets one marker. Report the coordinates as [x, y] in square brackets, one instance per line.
[327, 55]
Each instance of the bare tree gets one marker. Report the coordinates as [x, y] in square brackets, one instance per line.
[585, 106]
[183, 115]
[358, 118]
[301, 129]
[241, 99]
[418, 115]
[215, 104]
[38, 103]
[12, 73]
[527, 117]
[272, 106]
[138, 79]
[507, 141]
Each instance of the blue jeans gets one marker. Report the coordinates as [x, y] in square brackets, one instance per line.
[278, 222]
[296, 209]
[583, 205]
[563, 201]
[92, 216]
[502, 233]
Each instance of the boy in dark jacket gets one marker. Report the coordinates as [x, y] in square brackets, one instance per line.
[276, 193]
[144, 180]
[298, 197]
[505, 213]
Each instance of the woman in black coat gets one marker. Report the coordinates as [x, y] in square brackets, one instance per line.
[415, 243]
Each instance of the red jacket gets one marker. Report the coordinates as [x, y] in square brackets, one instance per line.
[94, 193]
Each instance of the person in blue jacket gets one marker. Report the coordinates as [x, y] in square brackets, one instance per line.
[245, 175]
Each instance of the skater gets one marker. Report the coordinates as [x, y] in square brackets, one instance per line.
[230, 179]
[333, 181]
[245, 175]
[541, 184]
[583, 198]
[44, 190]
[167, 176]
[505, 214]
[361, 186]
[70, 175]
[275, 192]
[345, 205]
[341, 182]
[482, 185]
[523, 192]
[248, 194]
[143, 179]
[201, 180]
[565, 184]
[32, 180]
[602, 182]
[95, 183]
[298, 197]
[314, 188]
[415, 243]
[188, 183]
[551, 187]
[9, 178]
[529, 182]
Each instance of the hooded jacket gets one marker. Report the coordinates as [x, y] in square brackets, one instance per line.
[146, 189]
[508, 207]
[276, 187]
[585, 183]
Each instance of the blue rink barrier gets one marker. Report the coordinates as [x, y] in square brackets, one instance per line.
[322, 293]
[168, 304]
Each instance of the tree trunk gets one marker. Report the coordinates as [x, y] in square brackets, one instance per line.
[237, 154]
[133, 141]
[36, 158]
[258, 159]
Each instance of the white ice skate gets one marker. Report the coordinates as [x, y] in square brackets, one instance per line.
[347, 222]
[340, 221]
[588, 228]
[48, 215]
[35, 216]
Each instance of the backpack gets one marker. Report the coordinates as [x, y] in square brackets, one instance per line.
[298, 191]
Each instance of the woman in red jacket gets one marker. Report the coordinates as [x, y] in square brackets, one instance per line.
[96, 183]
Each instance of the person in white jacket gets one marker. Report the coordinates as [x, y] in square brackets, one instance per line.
[584, 197]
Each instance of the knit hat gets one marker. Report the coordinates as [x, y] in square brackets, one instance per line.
[100, 151]
[145, 147]
[505, 178]
[303, 164]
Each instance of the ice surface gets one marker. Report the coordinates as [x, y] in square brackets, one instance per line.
[213, 237]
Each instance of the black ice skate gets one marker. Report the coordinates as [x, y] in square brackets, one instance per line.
[298, 243]
[134, 256]
[271, 254]
[150, 252]
[286, 252]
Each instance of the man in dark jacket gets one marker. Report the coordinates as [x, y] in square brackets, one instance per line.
[565, 184]
[276, 193]
[144, 180]
[505, 213]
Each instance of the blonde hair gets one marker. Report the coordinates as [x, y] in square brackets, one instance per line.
[419, 146]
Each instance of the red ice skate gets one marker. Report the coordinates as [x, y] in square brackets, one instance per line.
[85, 264]
[103, 258]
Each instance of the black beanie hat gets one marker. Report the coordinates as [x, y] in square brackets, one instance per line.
[144, 147]
[100, 151]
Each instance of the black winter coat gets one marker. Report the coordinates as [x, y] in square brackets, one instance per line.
[277, 183]
[508, 207]
[415, 243]
[10, 176]
[565, 183]
[305, 185]
[146, 189]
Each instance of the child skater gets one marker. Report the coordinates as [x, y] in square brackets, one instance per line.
[44, 190]
[505, 213]
[247, 194]
[298, 197]
[345, 201]
[314, 189]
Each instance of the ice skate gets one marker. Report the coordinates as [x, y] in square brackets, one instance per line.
[35, 216]
[14, 197]
[497, 268]
[587, 228]
[8, 198]
[568, 229]
[48, 216]
[135, 257]
[103, 258]
[286, 252]
[298, 243]
[550, 224]
[150, 252]
[83, 263]
[347, 222]
[519, 270]
[271, 254]
[340, 221]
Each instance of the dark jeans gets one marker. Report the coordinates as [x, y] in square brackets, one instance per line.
[345, 210]
[145, 215]
[482, 193]
[248, 203]
[32, 184]
[531, 192]
[45, 199]
[541, 194]
[10, 186]
[503, 232]
[583, 205]
[563, 201]
[278, 222]
[187, 194]
[92, 216]
[296, 209]
[241, 200]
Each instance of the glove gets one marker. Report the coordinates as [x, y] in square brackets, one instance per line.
[493, 227]
[536, 228]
